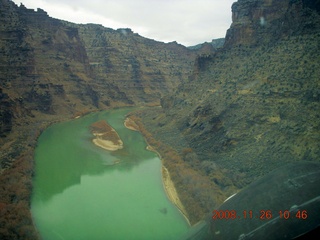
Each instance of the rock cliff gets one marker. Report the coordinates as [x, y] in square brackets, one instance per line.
[138, 70]
[253, 105]
[266, 21]
[248, 107]
[52, 70]
[56, 66]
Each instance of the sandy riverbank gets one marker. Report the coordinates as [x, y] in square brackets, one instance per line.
[130, 124]
[166, 179]
[106, 144]
[172, 192]
[105, 136]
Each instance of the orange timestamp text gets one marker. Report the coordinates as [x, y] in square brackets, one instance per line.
[262, 215]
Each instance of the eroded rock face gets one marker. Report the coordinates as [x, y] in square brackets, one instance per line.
[142, 69]
[252, 106]
[248, 108]
[52, 70]
[52, 67]
[5, 115]
[266, 21]
[55, 67]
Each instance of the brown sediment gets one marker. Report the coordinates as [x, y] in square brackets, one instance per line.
[196, 191]
[130, 124]
[151, 149]
[169, 187]
[172, 192]
[105, 136]
[168, 184]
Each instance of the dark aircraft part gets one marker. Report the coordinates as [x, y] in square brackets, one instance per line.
[284, 204]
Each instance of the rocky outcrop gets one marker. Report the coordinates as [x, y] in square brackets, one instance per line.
[248, 108]
[259, 104]
[5, 114]
[253, 105]
[217, 43]
[52, 70]
[141, 69]
[266, 21]
[204, 47]
[51, 67]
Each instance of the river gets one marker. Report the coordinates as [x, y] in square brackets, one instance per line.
[81, 191]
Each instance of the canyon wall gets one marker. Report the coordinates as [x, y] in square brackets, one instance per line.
[52, 70]
[266, 21]
[231, 115]
[253, 105]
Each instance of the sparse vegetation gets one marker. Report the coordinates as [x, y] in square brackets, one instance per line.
[191, 185]
[247, 109]
[15, 195]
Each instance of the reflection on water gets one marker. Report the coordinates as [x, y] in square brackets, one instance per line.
[80, 193]
[67, 151]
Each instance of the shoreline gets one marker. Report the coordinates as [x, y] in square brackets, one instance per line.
[130, 124]
[167, 182]
[171, 192]
[105, 136]
[106, 144]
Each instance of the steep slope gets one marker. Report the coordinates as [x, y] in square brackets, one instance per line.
[264, 22]
[52, 70]
[252, 106]
[141, 68]
[249, 108]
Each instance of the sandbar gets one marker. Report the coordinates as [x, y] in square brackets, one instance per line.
[106, 144]
[130, 124]
[105, 136]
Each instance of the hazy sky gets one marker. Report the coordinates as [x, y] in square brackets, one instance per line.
[188, 22]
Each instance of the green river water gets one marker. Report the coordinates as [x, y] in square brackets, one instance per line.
[80, 194]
